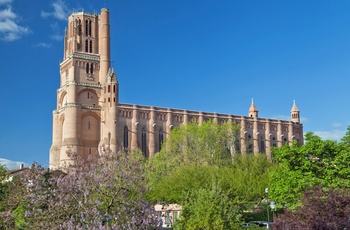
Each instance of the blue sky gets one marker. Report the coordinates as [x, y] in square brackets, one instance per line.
[205, 55]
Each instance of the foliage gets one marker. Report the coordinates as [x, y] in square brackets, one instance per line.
[195, 155]
[106, 193]
[209, 209]
[321, 209]
[317, 162]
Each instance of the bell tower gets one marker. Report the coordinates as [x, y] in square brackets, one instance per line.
[78, 119]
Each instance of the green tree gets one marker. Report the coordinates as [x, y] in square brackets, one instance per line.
[317, 162]
[194, 156]
[209, 208]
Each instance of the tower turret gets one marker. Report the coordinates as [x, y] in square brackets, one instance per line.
[295, 113]
[253, 111]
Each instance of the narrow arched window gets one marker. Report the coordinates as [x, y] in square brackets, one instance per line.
[91, 68]
[143, 141]
[87, 67]
[89, 28]
[86, 46]
[126, 138]
[90, 46]
[86, 27]
[113, 88]
[109, 88]
[161, 138]
[250, 144]
[262, 144]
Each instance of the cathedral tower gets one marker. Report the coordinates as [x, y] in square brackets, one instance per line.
[87, 86]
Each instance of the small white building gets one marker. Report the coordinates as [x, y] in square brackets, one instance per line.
[167, 214]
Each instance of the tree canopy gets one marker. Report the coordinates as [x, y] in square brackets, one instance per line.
[317, 162]
[107, 193]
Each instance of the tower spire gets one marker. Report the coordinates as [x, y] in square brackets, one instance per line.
[253, 111]
[295, 113]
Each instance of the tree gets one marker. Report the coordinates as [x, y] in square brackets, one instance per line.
[194, 156]
[190, 148]
[209, 208]
[106, 193]
[317, 162]
[321, 209]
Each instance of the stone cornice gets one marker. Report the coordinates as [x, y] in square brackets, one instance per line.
[81, 55]
[92, 85]
[77, 105]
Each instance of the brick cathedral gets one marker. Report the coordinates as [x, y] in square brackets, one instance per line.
[89, 117]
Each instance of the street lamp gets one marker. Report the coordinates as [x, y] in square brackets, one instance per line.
[267, 202]
[273, 206]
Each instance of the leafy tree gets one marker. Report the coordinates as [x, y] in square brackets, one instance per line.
[317, 162]
[194, 155]
[209, 208]
[321, 209]
[106, 193]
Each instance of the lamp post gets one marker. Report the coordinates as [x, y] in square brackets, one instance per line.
[267, 202]
[273, 206]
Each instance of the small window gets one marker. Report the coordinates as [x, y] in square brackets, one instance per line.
[90, 46]
[91, 68]
[113, 88]
[109, 88]
[89, 28]
[86, 46]
[87, 67]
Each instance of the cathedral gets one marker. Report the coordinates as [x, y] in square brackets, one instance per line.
[89, 117]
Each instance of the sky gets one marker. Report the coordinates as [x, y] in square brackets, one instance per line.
[201, 55]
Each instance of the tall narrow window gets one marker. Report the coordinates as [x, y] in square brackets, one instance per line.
[91, 68]
[89, 28]
[113, 88]
[87, 67]
[126, 138]
[86, 46]
[262, 144]
[161, 138]
[89, 125]
[86, 27]
[250, 144]
[143, 141]
[109, 88]
[90, 46]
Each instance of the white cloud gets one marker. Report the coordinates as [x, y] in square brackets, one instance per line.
[60, 11]
[11, 164]
[56, 32]
[42, 45]
[331, 134]
[10, 30]
[2, 2]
